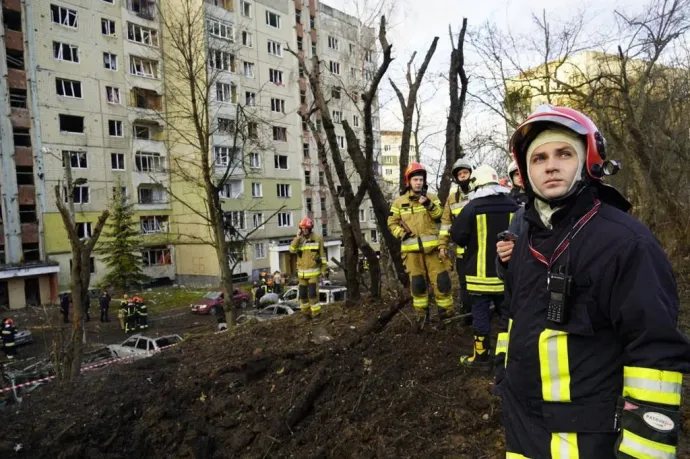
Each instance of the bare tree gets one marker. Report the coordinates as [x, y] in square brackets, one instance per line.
[453, 149]
[407, 107]
[195, 90]
[67, 359]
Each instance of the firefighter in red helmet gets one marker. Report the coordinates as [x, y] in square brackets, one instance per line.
[415, 218]
[590, 360]
[311, 263]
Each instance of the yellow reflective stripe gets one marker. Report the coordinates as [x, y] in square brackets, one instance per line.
[446, 228]
[444, 233]
[650, 385]
[395, 210]
[420, 301]
[481, 246]
[515, 456]
[444, 302]
[406, 210]
[564, 446]
[399, 231]
[553, 363]
[479, 288]
[460, 251]
[510, 219]
[502, 343]
[457, 206]
[316, 308]
[510, 325]
[484, 280]
[641, 448]
[293, 249]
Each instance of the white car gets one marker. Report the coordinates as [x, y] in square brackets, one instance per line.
[327, 294]
[139, 346]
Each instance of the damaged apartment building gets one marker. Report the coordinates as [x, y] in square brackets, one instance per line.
[26, 276]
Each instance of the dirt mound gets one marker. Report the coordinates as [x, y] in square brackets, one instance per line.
[267, 390]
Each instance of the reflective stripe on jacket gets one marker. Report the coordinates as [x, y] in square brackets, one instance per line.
[408, 215]
[311, 255]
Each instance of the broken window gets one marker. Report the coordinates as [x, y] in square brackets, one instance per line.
[142, 35]
[280, 133]
[12, 20]
[112, 94]
[153, 256]
[143, 67]
[149, 162]
[71, 123]
[110, 61]
[77, 159]
[25, 175]
[252, 129]
[143, 8]
[108, 27]
[280, 161]
[152, 195]
[27, 214]
[22, 137]
[147, 99]
[80, 194]
[15, 59]
[31, 252]
[154, 224]
[63, 16]
[17, 98]
[142, 132]
[275, 76]
[68, 88]
[226, 126]
[65, 52]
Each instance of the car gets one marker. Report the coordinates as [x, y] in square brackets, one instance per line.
[22, 337]
[327, 294]
[139, 346]
[274, 311]
[212, 302]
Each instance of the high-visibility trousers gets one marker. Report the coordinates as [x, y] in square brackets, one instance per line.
[309, 296]
[532, 437]
[425, 268]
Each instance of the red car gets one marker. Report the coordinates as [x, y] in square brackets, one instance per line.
[213, 300]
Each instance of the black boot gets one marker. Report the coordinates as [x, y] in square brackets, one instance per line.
[481, 358]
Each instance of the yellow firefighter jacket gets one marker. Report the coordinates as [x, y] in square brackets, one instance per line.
[311, 255]
[456, 201]
[408, 215]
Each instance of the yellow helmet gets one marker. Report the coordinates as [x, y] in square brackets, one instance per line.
[484, 175]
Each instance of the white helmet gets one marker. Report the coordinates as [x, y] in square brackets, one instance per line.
[484, 175]
[461, 163]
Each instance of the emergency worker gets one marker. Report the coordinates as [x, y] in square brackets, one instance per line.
[311, 263]
[462, 171]
[142, 313]
[8, 344]
[414, 219]
[589, 360]
[477, 228]
[517, 192]
[131, 316]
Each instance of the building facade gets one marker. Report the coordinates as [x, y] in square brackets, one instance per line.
[91, 90]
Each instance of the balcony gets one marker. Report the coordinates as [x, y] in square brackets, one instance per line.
[152, 197]
[16, 78]
[146, 99]
[145, 9]
[23, 156]
[27, 195]
[14, 40]
[30, 233]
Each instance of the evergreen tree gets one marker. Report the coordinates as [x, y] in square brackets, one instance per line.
[121, 247]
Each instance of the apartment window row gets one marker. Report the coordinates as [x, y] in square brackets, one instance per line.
[221, 29]
[143, 35]
[222, 60]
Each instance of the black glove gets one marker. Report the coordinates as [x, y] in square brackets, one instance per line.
[428, 204]
[407, 235]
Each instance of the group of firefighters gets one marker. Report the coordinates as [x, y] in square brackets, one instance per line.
[133, 314]
[588, 359]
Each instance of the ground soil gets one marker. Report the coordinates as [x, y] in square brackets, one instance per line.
[392, 393]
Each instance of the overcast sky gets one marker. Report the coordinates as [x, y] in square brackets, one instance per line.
[415, 23]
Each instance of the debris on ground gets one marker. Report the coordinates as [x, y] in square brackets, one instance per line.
[264, 390]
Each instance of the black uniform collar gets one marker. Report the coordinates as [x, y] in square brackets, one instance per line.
[573, 208]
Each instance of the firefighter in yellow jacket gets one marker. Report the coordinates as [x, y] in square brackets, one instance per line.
[462, 171]
[311, 263]
[414, 219]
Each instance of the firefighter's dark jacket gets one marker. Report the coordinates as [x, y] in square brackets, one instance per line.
[622, 336]
[477, 228]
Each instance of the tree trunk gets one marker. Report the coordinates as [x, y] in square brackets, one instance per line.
[350, 259]
[77, 288]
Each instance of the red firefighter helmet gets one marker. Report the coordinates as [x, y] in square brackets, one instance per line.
[412, 170]
[9, 321]
[565, 117]
[306, 223]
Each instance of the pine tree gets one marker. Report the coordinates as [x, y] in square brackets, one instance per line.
[121, 246]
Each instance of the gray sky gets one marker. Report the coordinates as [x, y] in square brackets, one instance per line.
[414, 24]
